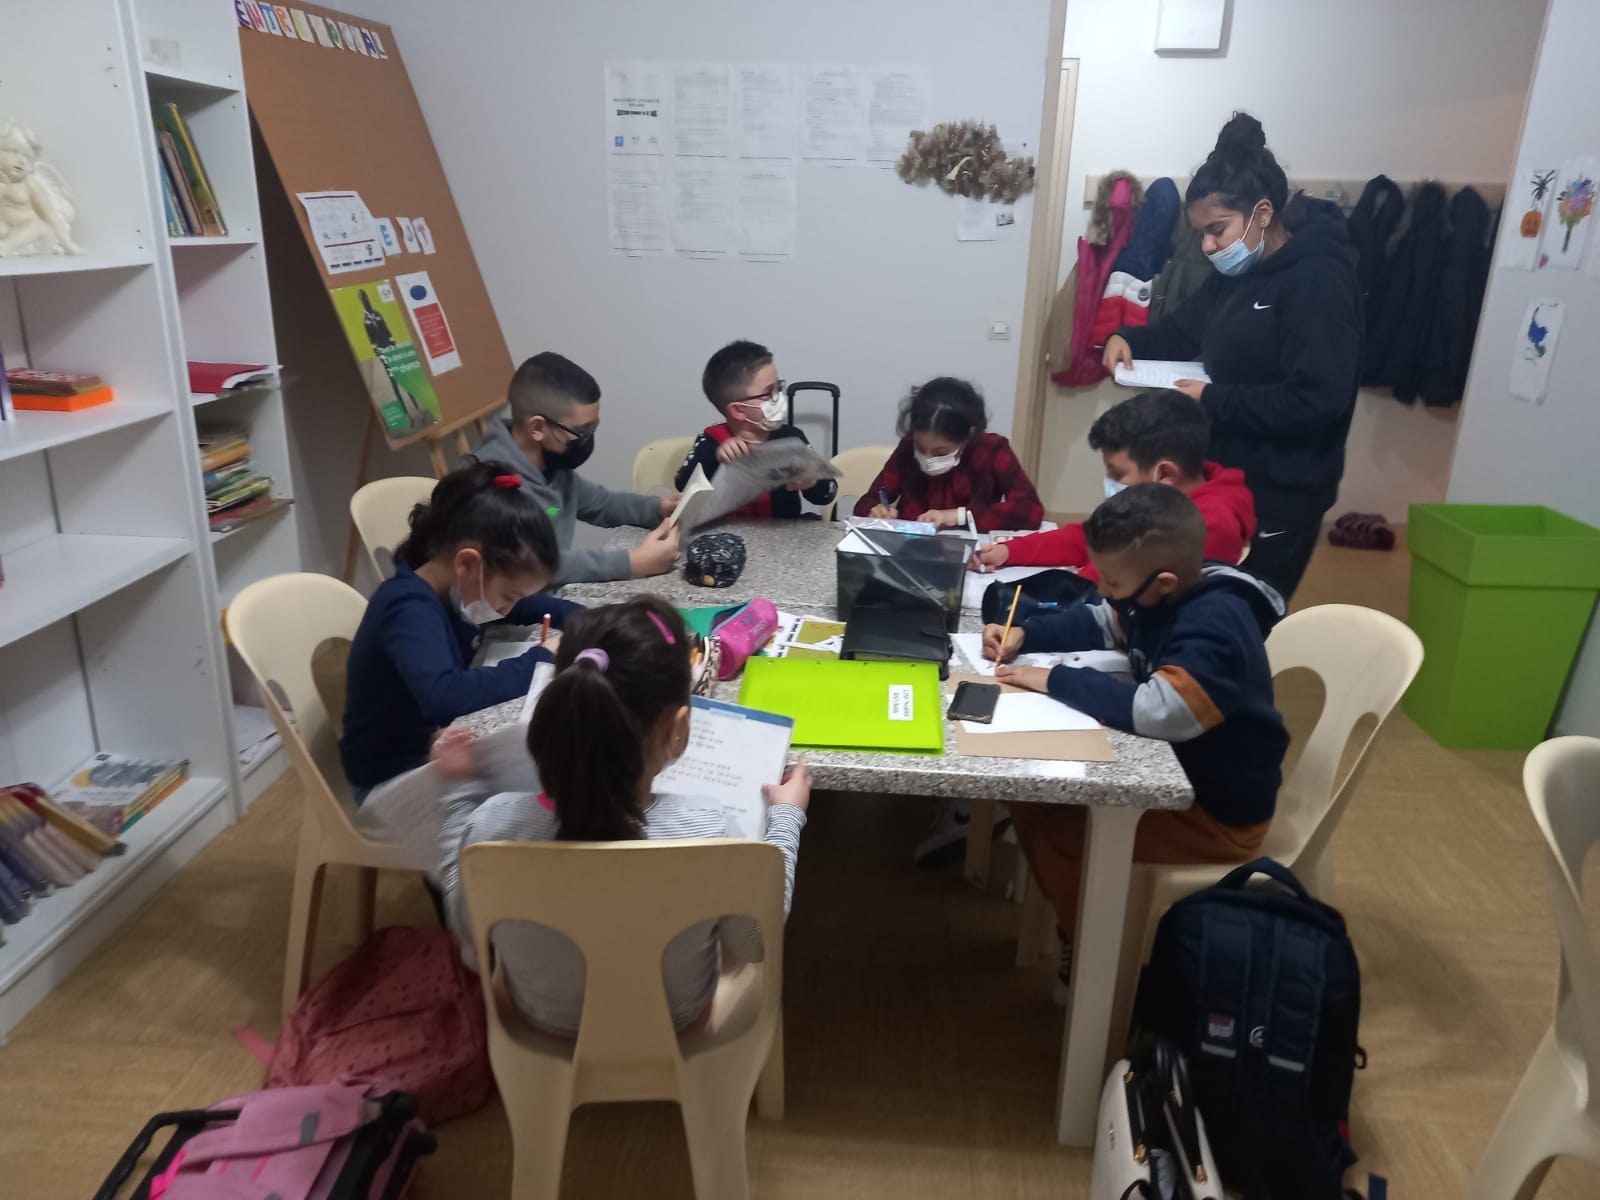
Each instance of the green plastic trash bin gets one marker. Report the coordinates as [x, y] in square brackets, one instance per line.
[1500, 596]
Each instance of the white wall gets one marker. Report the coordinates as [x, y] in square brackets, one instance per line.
[1408, 88]
[1516, 453]
[879, 295]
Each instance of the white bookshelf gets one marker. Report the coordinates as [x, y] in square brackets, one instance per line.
[190, 54]
[110, 632]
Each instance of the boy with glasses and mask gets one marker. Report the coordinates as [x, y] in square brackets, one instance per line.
[742, 384]
[555, 413]
[1195, 635]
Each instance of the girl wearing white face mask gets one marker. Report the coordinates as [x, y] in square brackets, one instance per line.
[1280, 329]
[479, 552]
[949, 468]
[742, 383]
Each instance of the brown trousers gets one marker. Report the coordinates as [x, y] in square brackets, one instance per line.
[1051, 836]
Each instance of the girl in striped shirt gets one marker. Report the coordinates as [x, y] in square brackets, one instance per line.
[615, 714]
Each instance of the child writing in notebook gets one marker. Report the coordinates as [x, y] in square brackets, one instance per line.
[616, 713]
[742, 383]
[948, 467]
[478, 553]
[1196, 637]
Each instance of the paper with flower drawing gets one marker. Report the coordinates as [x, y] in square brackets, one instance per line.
[1566, 233]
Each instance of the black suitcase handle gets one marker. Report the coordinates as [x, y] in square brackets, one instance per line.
[194, 1119]
[812, 385]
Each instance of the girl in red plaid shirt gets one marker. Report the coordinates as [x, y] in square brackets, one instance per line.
[948, 465]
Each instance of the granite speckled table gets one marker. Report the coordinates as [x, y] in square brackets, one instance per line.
[792, 564]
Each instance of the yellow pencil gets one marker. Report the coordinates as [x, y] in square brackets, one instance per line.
[1016, 595]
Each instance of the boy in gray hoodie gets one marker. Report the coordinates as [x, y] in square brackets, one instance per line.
[555, 410]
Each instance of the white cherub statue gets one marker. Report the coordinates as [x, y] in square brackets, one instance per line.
[36, 207]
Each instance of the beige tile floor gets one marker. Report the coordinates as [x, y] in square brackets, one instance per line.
[921, 1064]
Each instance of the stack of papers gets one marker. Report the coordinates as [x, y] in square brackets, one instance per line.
[1032, 712]
[970, 647]
[1159, 373]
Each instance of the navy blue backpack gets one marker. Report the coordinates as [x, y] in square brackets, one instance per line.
[1259, 987]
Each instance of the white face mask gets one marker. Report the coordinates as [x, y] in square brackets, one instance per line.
[774, 412]
[1113, 487]
[941, 464]
[480, 611]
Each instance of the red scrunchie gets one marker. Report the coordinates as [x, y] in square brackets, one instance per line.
[509, 482]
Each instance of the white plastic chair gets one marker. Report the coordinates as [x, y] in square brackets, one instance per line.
[1366, 659]
[381, 511]
[1556, 1108]
[278, 627]
[857, 469]
[656, 464]
[621, 903]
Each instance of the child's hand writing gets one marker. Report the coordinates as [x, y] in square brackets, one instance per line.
[993, 651]
[732, 449]
[941, 518]
[888, 511]
[452, 754]
[1035, 679]
[795, 788]
[990, 558]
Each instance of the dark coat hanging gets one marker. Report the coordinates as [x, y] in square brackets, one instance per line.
[1405, 319]
[1460, 297]
[1372, 224]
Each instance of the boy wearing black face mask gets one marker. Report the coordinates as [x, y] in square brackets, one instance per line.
[555, 411]
[742, 383]
[1195, 634]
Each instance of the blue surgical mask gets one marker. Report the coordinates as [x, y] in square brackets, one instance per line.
[1113, 487]
[1238, 258]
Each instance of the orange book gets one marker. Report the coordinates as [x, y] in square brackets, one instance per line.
[26, 402]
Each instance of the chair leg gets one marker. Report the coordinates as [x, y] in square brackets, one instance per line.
[1135, 932]
[770, 1087]
[1019, 879]
[980, 842]
[1315, 871]
[1538, 1124]
[304, 904]
[538, 1148]
[364, 903]
[1033, 938]
[714, 1114]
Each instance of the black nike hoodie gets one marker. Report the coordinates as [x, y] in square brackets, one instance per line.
[1283, 345]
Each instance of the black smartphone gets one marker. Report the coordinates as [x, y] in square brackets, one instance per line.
[975, 702]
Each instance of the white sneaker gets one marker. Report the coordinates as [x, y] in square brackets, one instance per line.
[945, 843]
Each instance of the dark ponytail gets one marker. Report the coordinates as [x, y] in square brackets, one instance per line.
[1240, 170]
[948, 407]
[618, 671]
[482, 504]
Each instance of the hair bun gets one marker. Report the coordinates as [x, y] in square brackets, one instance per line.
[1242, 134]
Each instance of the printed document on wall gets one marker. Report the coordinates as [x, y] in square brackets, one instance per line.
[636, 107]
[835, 114]
[342, 226]
[637, 202]
[764, 209]
[1537, 337]
[702, 206]
[702, 108]
[899, 100]
[766, 117]
[427, 317]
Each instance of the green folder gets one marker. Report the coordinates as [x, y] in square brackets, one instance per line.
[850, 705]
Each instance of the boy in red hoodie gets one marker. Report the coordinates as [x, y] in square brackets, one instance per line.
[1155, 437]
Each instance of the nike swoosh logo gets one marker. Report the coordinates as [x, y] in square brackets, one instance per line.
[1275, 533]
[1258, 306]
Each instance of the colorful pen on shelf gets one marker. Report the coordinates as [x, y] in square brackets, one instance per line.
[544, 630]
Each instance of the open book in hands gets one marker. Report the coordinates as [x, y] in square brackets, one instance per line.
[762, 468]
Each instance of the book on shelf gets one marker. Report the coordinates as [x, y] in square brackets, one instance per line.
[27, 381]
[208, 378]
[208, 215]
[237, 492]
[39, 853]
[230, 519]
[221, 449]
[90, 837]
[186, 221]
[113, 791]
[6, 409]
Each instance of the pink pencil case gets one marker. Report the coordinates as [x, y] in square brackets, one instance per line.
[743, 634]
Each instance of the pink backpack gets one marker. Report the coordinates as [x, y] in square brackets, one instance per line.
[402, 1009]
[345, 1141]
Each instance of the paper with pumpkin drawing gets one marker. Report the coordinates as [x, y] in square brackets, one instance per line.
[1527, 209]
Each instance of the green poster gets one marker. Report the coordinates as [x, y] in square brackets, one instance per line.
[396, 380]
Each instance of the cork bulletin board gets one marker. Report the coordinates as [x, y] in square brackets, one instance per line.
[395, 274]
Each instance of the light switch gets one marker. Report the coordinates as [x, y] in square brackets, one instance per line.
[999, 330]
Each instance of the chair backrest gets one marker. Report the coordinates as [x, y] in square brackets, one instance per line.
[857, 469]
[1562, 780]
[1366, 659]
[656, 464]
[280, 626]
[621, 903]
[381, 511]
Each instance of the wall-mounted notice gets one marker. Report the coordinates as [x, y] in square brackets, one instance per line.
[1527, 208]
[408, 234]
[424, 234]
[390, 367]
[834, 114]
[702, 109]
[1567, 233]
[899, 100]
[702, 206]
[637, 203]
[766, 121]
[344, 232]
[764, 209]
[1536, 350]
[427, 317]
[636, 107]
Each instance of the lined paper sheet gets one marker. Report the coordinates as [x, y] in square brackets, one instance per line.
[1159, 373]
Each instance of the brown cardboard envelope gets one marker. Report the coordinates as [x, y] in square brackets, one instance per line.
[1072, 745]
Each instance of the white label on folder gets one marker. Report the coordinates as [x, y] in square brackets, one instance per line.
[901, 705]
